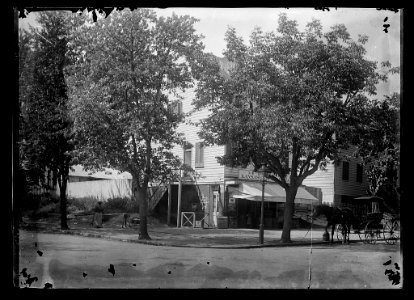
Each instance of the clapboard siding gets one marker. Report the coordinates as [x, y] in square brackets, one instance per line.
[350, 187]
[323, 179]
[231, 172]
[212, 172]
[329, 180]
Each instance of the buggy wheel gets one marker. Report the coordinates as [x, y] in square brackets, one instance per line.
[391, 231]
[360, 233]
[340, 232]
[371, 232]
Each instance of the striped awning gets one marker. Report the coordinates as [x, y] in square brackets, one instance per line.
[272, 193]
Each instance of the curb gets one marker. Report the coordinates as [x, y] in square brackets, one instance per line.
[156, 243]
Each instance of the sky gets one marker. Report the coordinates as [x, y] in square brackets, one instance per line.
[213, 23]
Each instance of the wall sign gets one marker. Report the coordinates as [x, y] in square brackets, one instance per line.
[250, 175]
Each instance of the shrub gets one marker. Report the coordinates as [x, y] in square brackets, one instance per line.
[112, 205]
[32, 201]
[133, 206]
[43, 212]
[82, 204]
[116, 205]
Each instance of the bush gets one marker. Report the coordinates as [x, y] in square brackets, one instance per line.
[113, 205]
[132, 206]
[43, 212]
[116, 205]
[35, 202]
[82, 204]
[121, 205]
[30, 202]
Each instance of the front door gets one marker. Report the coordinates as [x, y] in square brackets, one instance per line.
[216, 196]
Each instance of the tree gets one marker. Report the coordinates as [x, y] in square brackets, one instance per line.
[291, 100]
[126, 68]
[46, 127]
[379, 147]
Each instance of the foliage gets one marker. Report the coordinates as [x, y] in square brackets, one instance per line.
[379, 147]
[45, 130]
[292, 100]
[125, 71]
[32, 201]
[85, 204]
[116, 205]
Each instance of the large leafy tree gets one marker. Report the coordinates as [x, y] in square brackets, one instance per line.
[126, 70]
[379, 147]
[25, 82]
[292, 100]
[46, 138]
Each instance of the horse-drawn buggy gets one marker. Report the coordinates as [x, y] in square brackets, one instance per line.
[367, 216]
[379, 223]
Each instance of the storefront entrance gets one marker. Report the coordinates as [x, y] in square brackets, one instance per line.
[248, 214]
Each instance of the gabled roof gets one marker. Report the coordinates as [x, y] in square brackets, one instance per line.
[107, 174]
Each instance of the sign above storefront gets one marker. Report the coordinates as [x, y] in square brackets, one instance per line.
[250, 175]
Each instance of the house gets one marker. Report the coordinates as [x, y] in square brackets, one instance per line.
[220, 196]
[342, 182]
[217, 191]
[217, 195]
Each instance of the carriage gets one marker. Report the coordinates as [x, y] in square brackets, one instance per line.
[373, 221]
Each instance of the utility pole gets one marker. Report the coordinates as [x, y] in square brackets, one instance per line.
[179, 202]
[261, 228]
[263, 170]
[169, 205]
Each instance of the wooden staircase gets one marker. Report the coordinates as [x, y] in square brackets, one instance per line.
[154, 196]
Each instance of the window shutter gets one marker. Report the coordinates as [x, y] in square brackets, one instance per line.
[199, 155]
[176, 107]
[345, 170]
[187, 157]
[180, 107]
[202, 154]
[359, 173]
[229, 148]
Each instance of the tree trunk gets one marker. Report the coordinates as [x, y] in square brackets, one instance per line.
[16, 216]
[288, 213]
[143, 208]
[63, 205]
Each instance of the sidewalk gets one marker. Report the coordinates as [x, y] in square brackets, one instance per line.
[163, 235]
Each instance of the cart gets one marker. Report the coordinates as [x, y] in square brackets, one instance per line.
[372, 225]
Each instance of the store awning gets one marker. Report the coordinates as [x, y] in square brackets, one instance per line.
[369, 198]
[273, 193]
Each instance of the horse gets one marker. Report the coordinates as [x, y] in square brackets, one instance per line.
[334, 216]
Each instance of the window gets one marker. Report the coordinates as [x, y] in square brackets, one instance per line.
[176, 107]
[187, 157]
[345, 170]
[359, 173]
[199, 155]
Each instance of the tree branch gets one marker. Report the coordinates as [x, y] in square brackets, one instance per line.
[277, 167]
[318, 159]
[278, 181]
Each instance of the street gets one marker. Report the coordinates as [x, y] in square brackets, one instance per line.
[66, 261]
